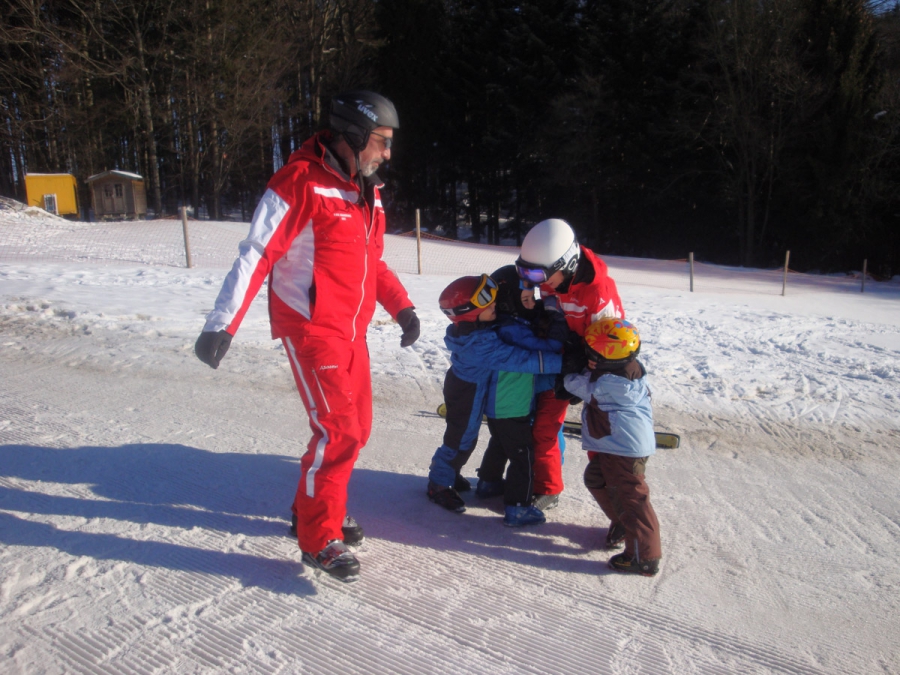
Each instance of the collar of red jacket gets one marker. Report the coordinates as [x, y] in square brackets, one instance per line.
[317, 149]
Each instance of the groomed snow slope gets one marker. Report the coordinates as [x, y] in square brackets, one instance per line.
[144, 497]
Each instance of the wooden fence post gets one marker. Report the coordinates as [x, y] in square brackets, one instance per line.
[787, 257]
[187, 241]
[691, 261]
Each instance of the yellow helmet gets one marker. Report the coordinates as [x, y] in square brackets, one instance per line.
[612, 341]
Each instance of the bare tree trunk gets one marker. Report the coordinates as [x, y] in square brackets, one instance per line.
[19, 159]
[146, 106]
[193, 152]
[454, 210]
[212, 143]
[475, 211]
[216, 151]
[750, 226]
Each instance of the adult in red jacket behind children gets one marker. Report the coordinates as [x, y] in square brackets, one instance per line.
[317, 235]
[576, 280]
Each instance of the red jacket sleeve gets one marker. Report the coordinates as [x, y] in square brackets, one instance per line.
[279, 214]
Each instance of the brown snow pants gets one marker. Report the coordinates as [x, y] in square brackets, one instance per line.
[618, 485]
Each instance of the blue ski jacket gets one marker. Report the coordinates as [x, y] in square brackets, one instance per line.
[512, 394]
[617, 417]
[477, 355]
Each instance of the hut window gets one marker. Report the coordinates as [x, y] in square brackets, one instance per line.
[119, 191]
[107, 191]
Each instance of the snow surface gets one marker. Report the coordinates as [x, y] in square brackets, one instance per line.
[144, 497]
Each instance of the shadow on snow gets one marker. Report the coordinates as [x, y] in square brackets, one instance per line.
[177, 486]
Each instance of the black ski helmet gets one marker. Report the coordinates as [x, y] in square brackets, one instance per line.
[509, 293]
[354, 114]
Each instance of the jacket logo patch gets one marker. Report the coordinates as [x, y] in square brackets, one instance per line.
[331, 367]
[341, 215]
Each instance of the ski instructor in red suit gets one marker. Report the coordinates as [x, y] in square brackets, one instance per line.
[317, 235]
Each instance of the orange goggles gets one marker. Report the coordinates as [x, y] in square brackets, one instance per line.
[483, 296]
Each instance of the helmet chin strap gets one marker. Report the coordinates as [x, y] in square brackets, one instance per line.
[359, 178]
[355, 147]
[569, 277]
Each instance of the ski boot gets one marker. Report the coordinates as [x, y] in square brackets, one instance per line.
[461, 484]
[336, 560]
[625, 562]
[517, 516]
[446, 497]
[485, 489]
[351, 530]
[545, 502]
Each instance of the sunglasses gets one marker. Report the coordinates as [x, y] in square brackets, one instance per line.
[387, 142]
[483, 296]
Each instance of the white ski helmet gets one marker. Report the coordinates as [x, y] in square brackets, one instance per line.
[549, 247]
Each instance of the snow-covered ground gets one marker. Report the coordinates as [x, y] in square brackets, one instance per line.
[144, 497]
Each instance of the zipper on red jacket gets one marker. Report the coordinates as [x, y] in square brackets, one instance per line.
[368, 227]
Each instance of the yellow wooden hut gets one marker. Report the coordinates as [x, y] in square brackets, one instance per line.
[118, 194]
[54, 192]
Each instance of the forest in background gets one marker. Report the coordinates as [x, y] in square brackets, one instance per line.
[736, 129]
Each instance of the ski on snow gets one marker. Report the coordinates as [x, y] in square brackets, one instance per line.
[664, 439]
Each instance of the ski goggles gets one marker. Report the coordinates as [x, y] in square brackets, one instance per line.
[539, 274]
[532, 275]
[484, 295]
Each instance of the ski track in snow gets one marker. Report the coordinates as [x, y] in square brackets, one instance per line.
[144, 500]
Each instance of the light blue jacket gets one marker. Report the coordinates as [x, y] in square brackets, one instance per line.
[617, 417]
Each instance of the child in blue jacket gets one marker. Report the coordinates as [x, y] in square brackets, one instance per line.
[477, 357]
[617, 432]
[521, 322]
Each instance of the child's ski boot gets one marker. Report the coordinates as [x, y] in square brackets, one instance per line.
[461, 484]
[446, 497]
[624, 562]
[485, 489]
[517, 516]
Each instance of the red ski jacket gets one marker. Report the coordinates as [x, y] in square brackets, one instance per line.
[586, 302]
[320, 246]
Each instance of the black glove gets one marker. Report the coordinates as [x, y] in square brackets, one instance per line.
[573, 361]
[409, 322]
[563, 394]
[573, 342]
[211, 347]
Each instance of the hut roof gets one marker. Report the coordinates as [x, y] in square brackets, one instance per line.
[115, 172]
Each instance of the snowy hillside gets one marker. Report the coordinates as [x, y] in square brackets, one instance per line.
[144, 497]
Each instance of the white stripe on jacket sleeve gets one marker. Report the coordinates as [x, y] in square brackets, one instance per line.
[267, 219]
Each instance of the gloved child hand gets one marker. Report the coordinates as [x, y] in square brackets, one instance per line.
[573, 361]
[563, 394]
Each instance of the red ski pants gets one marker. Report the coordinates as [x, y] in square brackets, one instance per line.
[550, 412]
[335, 384]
